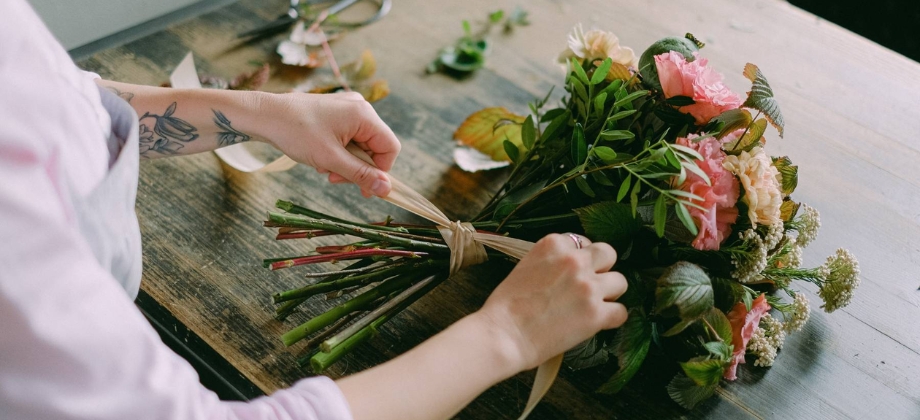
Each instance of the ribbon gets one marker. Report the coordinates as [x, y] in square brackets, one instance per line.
[467, 246]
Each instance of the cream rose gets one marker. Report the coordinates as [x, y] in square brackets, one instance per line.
[597, 45]
[760, 180]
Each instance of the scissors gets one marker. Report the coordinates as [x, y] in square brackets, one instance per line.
[288, 19]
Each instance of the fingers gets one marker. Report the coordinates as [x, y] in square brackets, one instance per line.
[612, 285]
[377, 138]
[614, 315]
[603, 256]
[370, 179]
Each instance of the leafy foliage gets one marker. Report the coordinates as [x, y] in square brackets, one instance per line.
[761, 97]
[488, 129]
[608, 222]
[630, 348]
[684, 290]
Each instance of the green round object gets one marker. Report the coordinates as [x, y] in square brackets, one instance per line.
[686, 46]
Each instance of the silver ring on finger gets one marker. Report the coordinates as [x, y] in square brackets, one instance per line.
[577, 240]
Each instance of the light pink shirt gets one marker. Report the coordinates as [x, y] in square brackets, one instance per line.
[72, 344]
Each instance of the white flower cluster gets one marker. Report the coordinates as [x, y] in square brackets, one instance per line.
[748, 268]
[766, 340]
[800, 313]
[840, 275]
[808, 223]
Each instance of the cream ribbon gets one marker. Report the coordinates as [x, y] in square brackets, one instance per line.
[465, 243]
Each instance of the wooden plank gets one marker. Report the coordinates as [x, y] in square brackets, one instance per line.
[851, 108]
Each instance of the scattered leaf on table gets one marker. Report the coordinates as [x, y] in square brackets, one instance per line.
[472, 160]
[361, 69]
[487, 129]
[251, 80]
[294, 54]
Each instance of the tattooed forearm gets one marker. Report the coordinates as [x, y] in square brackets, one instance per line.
[227, 135]
[164, 134]
[127, 96]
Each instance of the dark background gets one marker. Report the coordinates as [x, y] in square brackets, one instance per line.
[892, 23]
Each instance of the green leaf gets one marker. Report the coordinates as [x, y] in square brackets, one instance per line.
[601, 71]
[789, 172]
[720, 323]
[727, 293]
[748, 300]
[599, 101]
[761, 98]
[580, 89]
[684, 194]
[685, 290]
[557, 123]
[630, 348]
[579, 147]
[515, 198]
[661, 215]
[686, 393]
[511, 150]
[605, 153]
[496, 16]
[634, 196]
[624, 188]
[552, 114]
[528, 135]
[749, 140]
[620, 115]
[588, 354]
[705, 372]
[608, 222]
[466, 28]
[672, 159]
[613, 87]
[720, 349]
[611, 135]
[579, 72]
[582, 184]
[684, 215]
[693, 167]
[688, 151]
[788, 209]
[678, 328]
[629, 98]
[729, 121]
[680, 101]
[601, 179]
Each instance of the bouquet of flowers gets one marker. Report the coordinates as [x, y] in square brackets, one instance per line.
[653, 155]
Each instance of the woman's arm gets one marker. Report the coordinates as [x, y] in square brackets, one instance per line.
[311, 129]
[556, 297]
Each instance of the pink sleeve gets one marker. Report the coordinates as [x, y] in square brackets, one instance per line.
[72, 344]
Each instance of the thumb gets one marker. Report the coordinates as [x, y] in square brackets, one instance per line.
[367, 177]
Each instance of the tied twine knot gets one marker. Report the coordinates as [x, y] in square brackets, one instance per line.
[464, 249]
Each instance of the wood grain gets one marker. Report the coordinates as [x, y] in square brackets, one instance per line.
[852, 126]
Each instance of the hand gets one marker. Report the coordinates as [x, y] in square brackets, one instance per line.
[314, 129]
[556, 297]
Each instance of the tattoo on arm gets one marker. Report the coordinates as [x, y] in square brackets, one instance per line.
[164, 134]
[227, 135]
[127, 96]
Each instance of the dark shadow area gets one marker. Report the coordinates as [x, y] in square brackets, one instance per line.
[892, 23]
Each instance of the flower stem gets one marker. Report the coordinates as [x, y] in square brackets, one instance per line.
[303, 211]
[341, 256]
[372, 233]
[358, 280]
[358, 303]
[285, 310]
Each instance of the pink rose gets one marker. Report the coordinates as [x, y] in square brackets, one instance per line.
[714, 224]
[679, 77]
[743, 324]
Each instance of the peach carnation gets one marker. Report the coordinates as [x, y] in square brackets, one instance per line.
[694, 79]
[743, 324]
[719, 196]
[597, 45]
[761, 183]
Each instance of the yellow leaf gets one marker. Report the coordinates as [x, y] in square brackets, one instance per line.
[362, 68]
[487, 129]
[618, 72]
[376, 91]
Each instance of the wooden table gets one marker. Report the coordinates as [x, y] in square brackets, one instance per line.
[853, 126]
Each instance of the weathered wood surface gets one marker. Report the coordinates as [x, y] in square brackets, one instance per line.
[853, 124]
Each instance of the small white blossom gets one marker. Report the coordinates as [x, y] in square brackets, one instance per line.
[775, 233]
[773, 330]
[841, 277]
[808, 223]
[760, 347]
[800, 313]
[748, 268]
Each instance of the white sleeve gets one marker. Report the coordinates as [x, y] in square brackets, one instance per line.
[72, 344]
